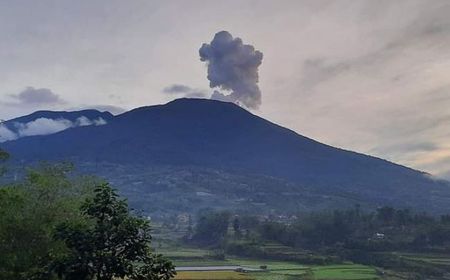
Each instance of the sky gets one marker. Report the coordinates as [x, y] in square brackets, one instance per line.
[369, 76]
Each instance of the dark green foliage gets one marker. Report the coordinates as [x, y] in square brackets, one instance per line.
[53, 225]
[3, 157]
[237, 227]
[371, 238]
[113, 244]
[400, 242]
[29, 211]
[385, 229]
[212, 228]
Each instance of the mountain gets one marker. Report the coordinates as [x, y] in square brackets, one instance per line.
[212, 137]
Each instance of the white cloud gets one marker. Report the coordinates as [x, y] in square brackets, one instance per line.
[83, 121]
[42, 126]
[99, 121]
[6, 134]
[45, 126]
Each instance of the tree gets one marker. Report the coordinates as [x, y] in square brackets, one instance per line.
[237, 226]
[3, 157]
[212, 227]
[386, 214]
[113, 244]
[29, 212]
[190, 229]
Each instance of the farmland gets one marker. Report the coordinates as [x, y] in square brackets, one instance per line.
[273, 270]
[185, 256]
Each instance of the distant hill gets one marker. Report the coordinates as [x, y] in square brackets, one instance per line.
[210, 135]
[71, 116]
[49, 122]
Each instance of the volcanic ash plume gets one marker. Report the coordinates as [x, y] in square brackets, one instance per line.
[233, 67]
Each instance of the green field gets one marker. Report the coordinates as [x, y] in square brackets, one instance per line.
[212, 275]
[276, 270]
[344, 272]
[436, 259]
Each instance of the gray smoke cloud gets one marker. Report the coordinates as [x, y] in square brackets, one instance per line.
[233, 66]
[31, 95]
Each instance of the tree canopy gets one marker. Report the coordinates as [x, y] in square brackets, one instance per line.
[29, 211]
[3, 157]
[113, 244]
[211, 227]
[54, 225]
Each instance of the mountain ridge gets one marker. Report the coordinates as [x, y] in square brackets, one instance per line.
[224, 136]
[69, 115]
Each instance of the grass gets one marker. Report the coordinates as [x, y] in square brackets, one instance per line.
[212, 275]
[191, 257]
[204, 262]
[344, 272]
[271, 265]
[438, 259]
[183, 252]
[274, 276]
[276, 270]
[335, 272]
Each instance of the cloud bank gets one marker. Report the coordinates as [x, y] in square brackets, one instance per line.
[233, 66]
[44, 126]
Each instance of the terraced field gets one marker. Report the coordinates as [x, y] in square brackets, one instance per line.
[436, 259]
[344, 272]
[213, 275]
[274, 270]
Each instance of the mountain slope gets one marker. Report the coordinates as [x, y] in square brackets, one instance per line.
[223, 136]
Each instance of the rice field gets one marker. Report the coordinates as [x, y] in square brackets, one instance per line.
[213, 275]
[322, 273]
[344, 272]
[436, 259]
[275, 270]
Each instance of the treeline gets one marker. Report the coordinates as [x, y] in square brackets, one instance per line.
[386, 228]
[54, 225]
[371, 237]
[367, 237]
